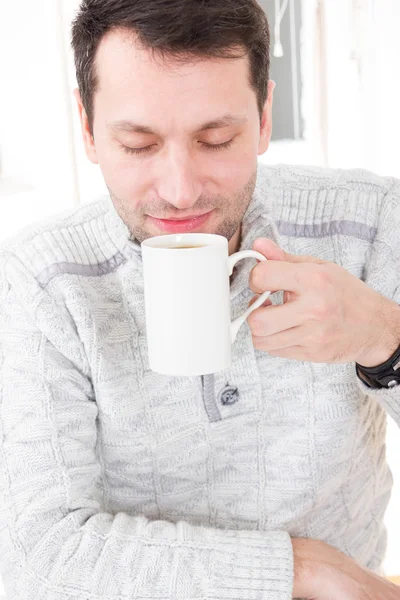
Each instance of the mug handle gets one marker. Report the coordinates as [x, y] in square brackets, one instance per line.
[232, 260]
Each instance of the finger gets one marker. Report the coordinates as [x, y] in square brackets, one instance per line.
[291, 353]
[273, 319]
[269, 249]
[278, 341]
[279, 275]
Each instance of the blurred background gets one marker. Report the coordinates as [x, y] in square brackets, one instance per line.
[336, 103]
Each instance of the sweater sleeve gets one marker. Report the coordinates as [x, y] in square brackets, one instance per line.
[382, 272]
[57, 541]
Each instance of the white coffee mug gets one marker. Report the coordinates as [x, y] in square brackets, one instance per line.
[187, 302]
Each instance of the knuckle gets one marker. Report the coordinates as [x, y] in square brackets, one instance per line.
[255, 323]
[321, 276]
[320, 309]
[258, 343]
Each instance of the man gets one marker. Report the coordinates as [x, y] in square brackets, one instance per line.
[268, 480]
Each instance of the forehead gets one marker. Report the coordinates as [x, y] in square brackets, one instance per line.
[133, 79]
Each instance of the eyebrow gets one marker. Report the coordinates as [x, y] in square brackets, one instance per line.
[131, 127]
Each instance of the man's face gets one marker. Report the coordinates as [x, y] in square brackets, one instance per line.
[177, 143]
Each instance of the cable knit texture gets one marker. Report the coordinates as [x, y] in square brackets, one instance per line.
[118, 483]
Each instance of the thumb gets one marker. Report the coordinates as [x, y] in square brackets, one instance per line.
[272, 251]
[269, 249]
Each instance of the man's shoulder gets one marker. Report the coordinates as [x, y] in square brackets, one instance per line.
[66, 221]
[56, 237]
[316, 200]
[317, 178]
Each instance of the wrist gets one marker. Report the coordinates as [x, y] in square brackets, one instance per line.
[319, 567]
[387, 341]
[379, 355]
[308, 570]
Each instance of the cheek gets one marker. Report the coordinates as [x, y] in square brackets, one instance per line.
[124, 175]
[234, 171]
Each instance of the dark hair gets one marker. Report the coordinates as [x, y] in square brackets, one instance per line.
[179, 28]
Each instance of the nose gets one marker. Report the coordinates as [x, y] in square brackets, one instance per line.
[179, 183]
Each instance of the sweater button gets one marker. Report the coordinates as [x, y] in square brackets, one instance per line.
[229, 395]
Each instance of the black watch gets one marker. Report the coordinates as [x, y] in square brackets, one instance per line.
[386, 375]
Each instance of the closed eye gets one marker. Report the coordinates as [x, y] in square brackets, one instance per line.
[143, 150]
[146, 149]
[222, 146]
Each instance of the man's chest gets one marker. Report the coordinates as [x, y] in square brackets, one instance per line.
[254, 444]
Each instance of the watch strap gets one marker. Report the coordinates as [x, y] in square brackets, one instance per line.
[386, 375]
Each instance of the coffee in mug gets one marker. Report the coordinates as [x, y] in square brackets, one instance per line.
[185, 247]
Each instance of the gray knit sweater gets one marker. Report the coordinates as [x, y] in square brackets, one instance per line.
[118, 483]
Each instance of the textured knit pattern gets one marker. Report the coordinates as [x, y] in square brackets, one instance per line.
[118, 483]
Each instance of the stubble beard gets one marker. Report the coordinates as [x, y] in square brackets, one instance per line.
[231, 209]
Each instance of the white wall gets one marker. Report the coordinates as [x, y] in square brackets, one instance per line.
[44, 169]
[35, 127]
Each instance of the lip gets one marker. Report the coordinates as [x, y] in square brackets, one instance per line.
[180, 225]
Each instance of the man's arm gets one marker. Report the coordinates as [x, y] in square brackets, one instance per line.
[57, 542]
[323, 573]
[329, 315]
[382, 273]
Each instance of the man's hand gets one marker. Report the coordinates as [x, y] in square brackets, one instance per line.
[323, 573]
[328, 315]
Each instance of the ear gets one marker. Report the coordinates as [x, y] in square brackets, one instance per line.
[88, 140]
[266, 120]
